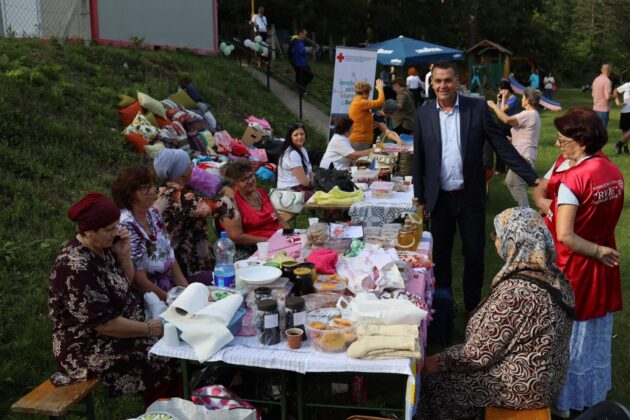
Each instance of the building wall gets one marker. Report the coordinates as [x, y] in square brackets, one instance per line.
[176, 24]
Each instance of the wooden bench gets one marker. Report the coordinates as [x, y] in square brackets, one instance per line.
[49, 400]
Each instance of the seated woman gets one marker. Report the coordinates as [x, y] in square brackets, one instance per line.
[516, 350]
[339, 151]
[157, 270]
[185, 213]
[98, 320]
[253, 219]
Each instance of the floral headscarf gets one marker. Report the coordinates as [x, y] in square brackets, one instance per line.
[527, 247]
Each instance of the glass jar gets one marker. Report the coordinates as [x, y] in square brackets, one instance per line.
[287, 268]
[295, 314]
[261, 293]
[406, 240]
[303, 281]
[268, 322]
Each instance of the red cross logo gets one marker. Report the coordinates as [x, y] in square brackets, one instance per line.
[340, 57]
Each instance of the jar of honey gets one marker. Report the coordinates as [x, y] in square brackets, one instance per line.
[406, 240]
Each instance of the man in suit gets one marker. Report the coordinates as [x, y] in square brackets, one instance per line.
[449, 178]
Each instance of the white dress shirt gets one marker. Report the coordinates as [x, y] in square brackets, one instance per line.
[452, 170]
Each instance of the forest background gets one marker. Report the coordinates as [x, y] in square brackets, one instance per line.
[570, 38]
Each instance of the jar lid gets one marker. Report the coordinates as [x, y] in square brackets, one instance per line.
[263, 290]
[267, 305]
[294, 302]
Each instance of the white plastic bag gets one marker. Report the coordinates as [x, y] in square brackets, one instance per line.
[385, 311]
[186, 410]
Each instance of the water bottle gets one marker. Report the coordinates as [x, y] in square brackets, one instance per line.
[224, 271]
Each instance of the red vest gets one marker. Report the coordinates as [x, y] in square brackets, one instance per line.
[263, 222]
[598, 185]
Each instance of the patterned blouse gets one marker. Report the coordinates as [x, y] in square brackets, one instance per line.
[516, 350]
[87, 290]
[150, 251]
[185, 213]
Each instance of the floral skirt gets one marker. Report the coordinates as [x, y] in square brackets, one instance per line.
[589, 376]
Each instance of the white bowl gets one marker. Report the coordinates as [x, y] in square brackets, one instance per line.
[262, 274]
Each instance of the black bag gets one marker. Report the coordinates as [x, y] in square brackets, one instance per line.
[326, 179]
[441, 326]
[272, 147]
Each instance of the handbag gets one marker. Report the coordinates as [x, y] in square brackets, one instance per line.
[288, 201]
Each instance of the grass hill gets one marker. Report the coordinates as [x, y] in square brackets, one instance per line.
[60, 137]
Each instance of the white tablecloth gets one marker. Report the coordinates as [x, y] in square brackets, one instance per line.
[247, 351]
[377, 211]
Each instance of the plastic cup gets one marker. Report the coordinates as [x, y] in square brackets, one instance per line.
[294, 337]
[313, 220]
[170, 335]
[262, 249]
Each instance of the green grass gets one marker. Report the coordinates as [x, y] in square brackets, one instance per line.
[60, 137]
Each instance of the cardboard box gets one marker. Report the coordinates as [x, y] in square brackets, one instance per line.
[251, 136]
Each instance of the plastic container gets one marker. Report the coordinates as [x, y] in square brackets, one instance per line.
[326, 283]
[364, 176]
[381, 189]
[224, 270]
[328, 331]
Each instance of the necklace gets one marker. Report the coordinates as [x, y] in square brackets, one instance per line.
[257, 202]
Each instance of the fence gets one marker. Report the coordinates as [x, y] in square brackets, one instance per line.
[45, 19]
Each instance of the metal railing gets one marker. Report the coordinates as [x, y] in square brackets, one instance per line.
[244, 53]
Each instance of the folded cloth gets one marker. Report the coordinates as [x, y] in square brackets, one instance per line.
[337, 197]
[387, 330]
[384, 347]
[325, 260]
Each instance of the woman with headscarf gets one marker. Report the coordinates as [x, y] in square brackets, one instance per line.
[98, 320]
[360, 113]
[516, 349]
[156, 269]
[582, 196]
[185, 213]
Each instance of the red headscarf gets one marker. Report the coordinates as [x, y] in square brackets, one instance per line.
[94, 211]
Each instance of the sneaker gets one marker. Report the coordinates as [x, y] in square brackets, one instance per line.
[618, 147]
[625, 149]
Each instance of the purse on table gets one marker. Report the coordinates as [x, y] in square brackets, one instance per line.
[288, 201]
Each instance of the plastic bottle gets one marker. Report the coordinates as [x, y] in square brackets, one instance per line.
[224, 271]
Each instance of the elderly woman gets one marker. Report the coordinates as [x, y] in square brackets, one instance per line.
[525, 136]
[516, 350]
[98, 320]
[362, 133]
[254, 219]
[185, 213]
[157, 270]
[582, 196]
[339, 151]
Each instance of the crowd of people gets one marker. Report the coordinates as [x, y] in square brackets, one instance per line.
[541, 338]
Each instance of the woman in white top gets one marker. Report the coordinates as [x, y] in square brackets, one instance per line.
[525, 138]
[294, 168]
[339, 152]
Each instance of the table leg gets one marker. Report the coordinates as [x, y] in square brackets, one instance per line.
[283, 396]
[300, 396]
[186, 379]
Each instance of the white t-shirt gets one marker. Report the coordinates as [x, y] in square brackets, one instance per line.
[625, 90]
[338, 148]
[260, 21]
[526, 134]
[289, 160]
[414, 82]
[549, 81]
[427, 84]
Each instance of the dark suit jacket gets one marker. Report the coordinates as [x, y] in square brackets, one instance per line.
[477, 126]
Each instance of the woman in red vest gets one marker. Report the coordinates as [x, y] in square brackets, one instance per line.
[255, 220]
[582, 196]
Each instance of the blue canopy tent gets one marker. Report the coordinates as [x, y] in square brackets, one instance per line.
[404, 51]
